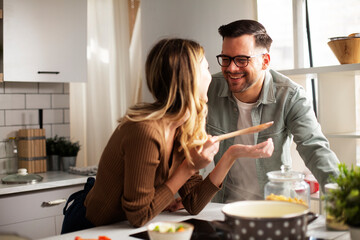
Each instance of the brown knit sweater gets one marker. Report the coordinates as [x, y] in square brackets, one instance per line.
[130, 182]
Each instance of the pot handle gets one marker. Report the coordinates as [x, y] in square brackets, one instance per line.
[311, 217]
[222, 225]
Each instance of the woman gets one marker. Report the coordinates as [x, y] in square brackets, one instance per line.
[159, 147]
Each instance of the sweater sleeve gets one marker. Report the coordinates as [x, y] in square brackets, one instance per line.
[197, 193]
[142, 200]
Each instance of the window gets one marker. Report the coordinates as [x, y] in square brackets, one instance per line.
[276, 16]
[327, 18]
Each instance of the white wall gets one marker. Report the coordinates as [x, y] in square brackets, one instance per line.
[194, 19]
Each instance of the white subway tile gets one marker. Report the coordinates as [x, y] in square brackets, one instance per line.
[66, 116]
[66, 87]
[2, 118]
[2, 87]
[21, 117]
[38, 101]
[61, 130]
[8, 131]
[60, 101]
[48, 132]
[51, 88]
[21, 87]
[12, 101]
[53, 116]
[2, 149]
[2, 165]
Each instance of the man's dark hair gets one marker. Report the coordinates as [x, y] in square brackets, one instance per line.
[251, 27]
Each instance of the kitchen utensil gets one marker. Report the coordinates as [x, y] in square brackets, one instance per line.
[40, 118]
[32, 150]
[265, 220]
[346, 49]
[160, 231]
[22, 177]
[253, 129]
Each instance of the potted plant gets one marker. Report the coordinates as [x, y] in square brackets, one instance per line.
[344, 201]
[52, 152]
[68, 151]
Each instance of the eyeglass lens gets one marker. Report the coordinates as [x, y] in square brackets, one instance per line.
[225, 61]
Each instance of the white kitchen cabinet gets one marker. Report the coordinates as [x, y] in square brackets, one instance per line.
[44, 40]
[24, 213]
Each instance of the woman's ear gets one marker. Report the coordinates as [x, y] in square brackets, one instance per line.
[266, 61]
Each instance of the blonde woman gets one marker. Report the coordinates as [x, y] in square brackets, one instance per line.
[159, 147]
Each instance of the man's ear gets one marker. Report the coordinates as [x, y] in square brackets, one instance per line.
[266, 61]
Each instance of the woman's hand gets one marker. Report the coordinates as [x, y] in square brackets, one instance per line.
[261, 150]
[206, 155]
[200, 159]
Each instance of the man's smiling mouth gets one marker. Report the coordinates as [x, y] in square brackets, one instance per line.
[236, 76]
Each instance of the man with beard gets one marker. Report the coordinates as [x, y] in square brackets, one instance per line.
[248, 93]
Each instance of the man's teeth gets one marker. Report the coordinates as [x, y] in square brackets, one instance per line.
[236, 77]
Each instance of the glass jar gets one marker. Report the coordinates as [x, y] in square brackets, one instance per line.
[287, 185]
[331, 223]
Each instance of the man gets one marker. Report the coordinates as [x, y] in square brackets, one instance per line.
[248, 93]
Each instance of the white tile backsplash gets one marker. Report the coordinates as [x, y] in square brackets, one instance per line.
[38, 101]
[51, 88]
[67, 88]
[2, 117]
[2, 89]
[66, 116]
[12, 101]
[60, 101]
[61, 130]
[2, 149]
[19, 104]
[8, 131]
[53, 116]
[21, 87]
[22, 117]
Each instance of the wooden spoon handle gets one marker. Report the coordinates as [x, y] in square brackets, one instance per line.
[249, 130]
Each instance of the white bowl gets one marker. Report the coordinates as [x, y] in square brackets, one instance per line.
[159, 231]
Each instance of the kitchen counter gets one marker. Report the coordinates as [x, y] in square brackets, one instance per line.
[211, 212]
[51, 179]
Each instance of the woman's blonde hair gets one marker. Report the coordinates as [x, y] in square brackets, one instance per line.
[172, 71]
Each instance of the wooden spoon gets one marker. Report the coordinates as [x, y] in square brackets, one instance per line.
[253, 129]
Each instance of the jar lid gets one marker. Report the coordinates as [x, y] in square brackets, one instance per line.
[22, 177]
[285, 175]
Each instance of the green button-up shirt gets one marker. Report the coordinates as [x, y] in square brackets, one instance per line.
[284, 102]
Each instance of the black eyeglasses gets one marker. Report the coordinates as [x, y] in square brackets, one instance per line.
[240, 60]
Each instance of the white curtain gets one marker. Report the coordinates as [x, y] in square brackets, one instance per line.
[95, 106]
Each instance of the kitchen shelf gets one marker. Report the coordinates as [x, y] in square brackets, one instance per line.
[344, 135]
[353, 68]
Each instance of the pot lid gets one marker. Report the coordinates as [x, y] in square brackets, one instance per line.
[285, 175]
[22, 177]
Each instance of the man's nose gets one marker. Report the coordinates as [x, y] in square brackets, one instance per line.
[232, 66]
